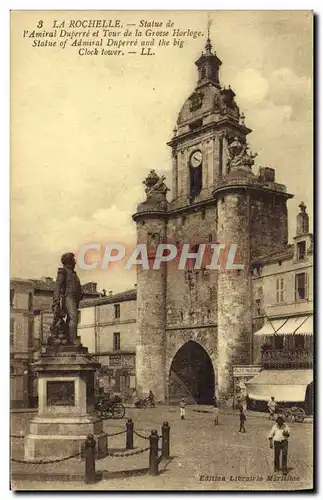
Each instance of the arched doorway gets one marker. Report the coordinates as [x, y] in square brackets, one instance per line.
[191, 375]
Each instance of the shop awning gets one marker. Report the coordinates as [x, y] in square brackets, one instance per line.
[297, 325]
[306, 328]
[292, 325]
[270, 327]
[284, 385]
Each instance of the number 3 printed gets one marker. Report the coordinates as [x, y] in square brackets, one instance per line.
[40, 24]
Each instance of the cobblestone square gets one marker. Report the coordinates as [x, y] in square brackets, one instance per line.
[203, 456]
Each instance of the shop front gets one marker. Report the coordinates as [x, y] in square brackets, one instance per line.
[117, 375]
[241, 375]
[288, 387]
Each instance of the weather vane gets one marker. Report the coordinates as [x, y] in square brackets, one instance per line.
[209, 23]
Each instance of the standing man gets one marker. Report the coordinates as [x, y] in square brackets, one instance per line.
[243, 419]
[279, 434]
[68, 294]
[271, 405]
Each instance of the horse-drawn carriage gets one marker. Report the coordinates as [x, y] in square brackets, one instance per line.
[292, 414]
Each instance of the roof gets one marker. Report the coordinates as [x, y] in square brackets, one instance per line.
[283, 253]
[110, 299]
[48, 284]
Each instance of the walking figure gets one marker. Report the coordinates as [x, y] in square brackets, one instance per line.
[216, 413]
[243, 418]
[279, 434]
[271, 405]
[182, 407]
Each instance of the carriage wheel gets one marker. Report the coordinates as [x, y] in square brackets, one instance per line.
[299, 415]
[104, 414]
[118, 410]
[288, 414]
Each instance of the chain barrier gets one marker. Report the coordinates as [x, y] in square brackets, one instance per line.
[129, 454]
[117, 433]
[140, 435]
[44, 462]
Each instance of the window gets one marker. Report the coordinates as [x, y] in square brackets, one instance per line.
[116, 341]
[280, 290]
[12, 296]
[299, 342]
[258, 307]
[278, 342]
[117, 311]
[203, 73]
[124, 382]
[301, 286]
[12, 332]
[30, 301]
[196, 124]
[30, 332]
[301, 250]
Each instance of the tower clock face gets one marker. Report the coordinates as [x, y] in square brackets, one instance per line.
[196, 159]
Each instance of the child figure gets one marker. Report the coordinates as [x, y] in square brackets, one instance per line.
[216, 413]
[243, 418]
[182, 407]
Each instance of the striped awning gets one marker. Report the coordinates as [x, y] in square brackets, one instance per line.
[284, 385]
[296, 325]
[271, 327]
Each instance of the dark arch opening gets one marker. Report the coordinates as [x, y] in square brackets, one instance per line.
[191, 375]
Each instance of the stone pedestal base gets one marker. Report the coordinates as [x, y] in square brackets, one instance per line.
[54, 438]
[66, 414]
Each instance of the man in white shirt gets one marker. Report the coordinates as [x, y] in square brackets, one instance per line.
[271, 405]
[279, 434]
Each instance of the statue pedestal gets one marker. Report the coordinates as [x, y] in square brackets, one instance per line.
[65, 405]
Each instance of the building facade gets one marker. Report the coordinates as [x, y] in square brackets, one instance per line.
[283, 322]
[30, 320]
[107, 327]
[194, 325]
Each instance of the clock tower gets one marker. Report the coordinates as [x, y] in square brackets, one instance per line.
[195, 323]
[207, 123]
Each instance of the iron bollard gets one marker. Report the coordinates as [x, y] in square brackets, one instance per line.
[89, 448]
[165, 439]
[153, 453]
[129, 434]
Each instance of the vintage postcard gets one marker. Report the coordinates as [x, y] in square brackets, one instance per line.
[161, 296]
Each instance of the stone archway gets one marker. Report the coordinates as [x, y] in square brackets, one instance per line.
[191, 375]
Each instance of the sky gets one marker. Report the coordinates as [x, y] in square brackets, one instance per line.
[85, 131]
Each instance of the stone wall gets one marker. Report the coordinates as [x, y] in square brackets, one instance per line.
[151, 315]
[234, 290]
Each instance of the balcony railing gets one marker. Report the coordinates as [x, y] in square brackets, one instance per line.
[287, 358]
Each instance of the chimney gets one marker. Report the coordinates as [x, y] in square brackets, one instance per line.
[47, 279]
[104, 292]
[302, 220]
[90, 287]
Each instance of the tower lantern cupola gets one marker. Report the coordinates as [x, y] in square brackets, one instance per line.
[208, 66]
